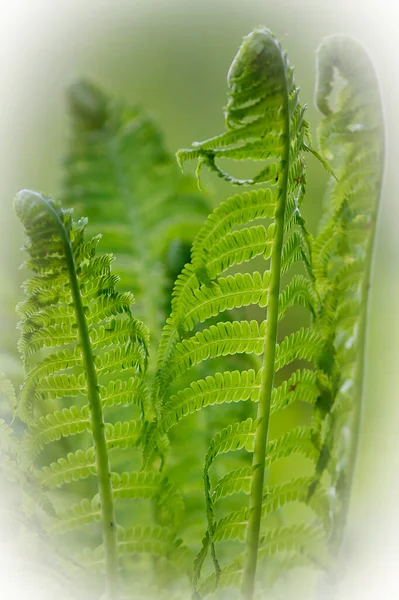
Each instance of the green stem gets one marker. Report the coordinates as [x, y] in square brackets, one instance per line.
[359, 380]
[259, 456]
[97, 421]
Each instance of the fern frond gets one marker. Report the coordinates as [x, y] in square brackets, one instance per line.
[84, 354]
[351, 136]
[119, 173]
[264, 122]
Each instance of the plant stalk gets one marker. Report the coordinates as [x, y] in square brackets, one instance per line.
[259, 456]
[359, 384]
[97, 421]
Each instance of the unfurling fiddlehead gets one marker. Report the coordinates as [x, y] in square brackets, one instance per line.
[265, 122]
[85, 354]
[351, 137]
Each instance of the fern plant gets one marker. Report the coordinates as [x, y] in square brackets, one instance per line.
[351, 137]
[119, 174]
[85, 407]
[77, 336]
[265, 122]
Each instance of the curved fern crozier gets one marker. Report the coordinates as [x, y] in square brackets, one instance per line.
[51, 239]
[84, 354]
[265, 122]
[351, 136]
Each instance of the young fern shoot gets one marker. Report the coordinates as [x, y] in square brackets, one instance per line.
[351, 136]
[52, 237]
[85, 354]
[265, 122]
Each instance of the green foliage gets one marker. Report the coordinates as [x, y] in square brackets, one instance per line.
[77, 335]
[351, 137]
[267, 326]
[119, 174]
[265, 122]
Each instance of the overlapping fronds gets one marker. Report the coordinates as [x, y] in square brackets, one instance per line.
[84, 354]
[351, 137]
[265, 122]
[279, 443]
[119, 174]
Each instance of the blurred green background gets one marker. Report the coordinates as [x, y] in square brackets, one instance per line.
[171, 57]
